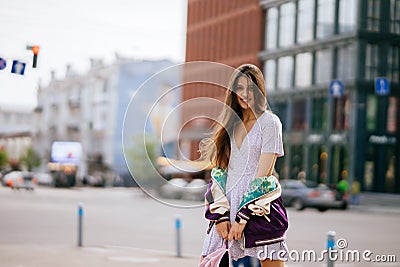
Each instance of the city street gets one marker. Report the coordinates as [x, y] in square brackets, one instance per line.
[125, 227]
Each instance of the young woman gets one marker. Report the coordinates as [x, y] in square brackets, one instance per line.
[243, 201]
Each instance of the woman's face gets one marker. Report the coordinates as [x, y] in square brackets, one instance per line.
[244, 93]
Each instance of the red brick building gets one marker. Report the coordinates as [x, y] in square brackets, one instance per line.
[223, 31]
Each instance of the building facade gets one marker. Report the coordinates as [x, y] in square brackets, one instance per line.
[15, 131]
[223, 31]
[327, 64]
[321, 59]
[90, 109]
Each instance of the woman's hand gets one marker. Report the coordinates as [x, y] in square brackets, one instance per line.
[223, 229]
[236, 231]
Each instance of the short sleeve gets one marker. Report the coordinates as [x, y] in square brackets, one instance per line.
[271, 135]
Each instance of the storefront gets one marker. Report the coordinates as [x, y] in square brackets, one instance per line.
[330, 139]
[380, 168]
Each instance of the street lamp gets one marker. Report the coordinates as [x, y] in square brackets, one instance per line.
[35, 50]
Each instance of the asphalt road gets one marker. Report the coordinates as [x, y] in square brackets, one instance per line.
[125, 227]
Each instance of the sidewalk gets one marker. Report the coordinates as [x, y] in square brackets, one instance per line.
[102, 256]
[378, 203]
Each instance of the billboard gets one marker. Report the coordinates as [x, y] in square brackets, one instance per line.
[66, 152]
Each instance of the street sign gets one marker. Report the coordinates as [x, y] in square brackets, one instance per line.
[382, 86]
[3, 63]
[336, 88]
[18, 67]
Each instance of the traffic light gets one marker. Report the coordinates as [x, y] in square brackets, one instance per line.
[35, 50]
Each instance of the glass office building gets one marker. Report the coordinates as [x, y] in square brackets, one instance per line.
[327, 64]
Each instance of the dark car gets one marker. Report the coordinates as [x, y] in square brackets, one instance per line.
[301, 195]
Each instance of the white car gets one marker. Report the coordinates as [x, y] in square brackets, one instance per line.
[174, 188]
[45, 179]
[195, 190]
[20, 180]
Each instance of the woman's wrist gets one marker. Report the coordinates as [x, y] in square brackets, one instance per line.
[240, 220]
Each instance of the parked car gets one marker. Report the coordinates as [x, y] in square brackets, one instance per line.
[301, 195]
[45, 179]
[174, 188]
[20, 180]
[195, 190]
[3, 173]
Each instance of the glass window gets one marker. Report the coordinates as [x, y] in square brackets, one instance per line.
[319, 120]
[341, 111]
[390, 173]
[371, 112]
[303, 69]
[287, 24]
[296, 160]
[270, 74]
[272, 28]
[280, 109]
[373, 15]
[371, 61]
[347, 15]
[305, 21]
[323, 66]
[347, 111]
[346, 62]
[393, 105]
[281, 168]
[395, 16]
[340, 163]
[318, 160]
[369, 168]
[285, 72]
[299, 115]
[393, 64]
[325, 18]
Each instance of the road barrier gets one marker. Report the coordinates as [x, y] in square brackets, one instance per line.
[330, 247]
[178, 225]
[80, 219]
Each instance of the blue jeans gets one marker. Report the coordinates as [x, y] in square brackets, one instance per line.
[245, 262]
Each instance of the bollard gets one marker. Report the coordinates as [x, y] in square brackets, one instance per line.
[80, 217]
[330, 247]
[178, 225]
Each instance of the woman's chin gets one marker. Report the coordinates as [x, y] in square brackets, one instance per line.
[244, 106]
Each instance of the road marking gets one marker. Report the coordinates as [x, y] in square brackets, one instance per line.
[134, 260]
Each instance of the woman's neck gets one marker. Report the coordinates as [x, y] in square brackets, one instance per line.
[248, 115]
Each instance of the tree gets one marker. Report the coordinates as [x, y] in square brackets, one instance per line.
[30, 159]
[142, 158]
[3, 158]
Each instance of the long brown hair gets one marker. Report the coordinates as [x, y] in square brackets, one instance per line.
[217, 150]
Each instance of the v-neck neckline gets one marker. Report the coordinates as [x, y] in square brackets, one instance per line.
[247, 134]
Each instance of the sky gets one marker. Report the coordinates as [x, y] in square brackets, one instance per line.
[71, 32]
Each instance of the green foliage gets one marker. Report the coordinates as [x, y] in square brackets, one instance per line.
[30, 159]
[141, 158]
[3, 158]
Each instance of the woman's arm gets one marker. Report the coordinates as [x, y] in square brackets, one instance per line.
[266, 165]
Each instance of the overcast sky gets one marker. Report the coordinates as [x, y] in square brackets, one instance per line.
[73, 31]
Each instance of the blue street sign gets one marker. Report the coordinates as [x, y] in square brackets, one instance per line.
[382, 86]
[336, 88]
[18, 67]
[3, 63]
